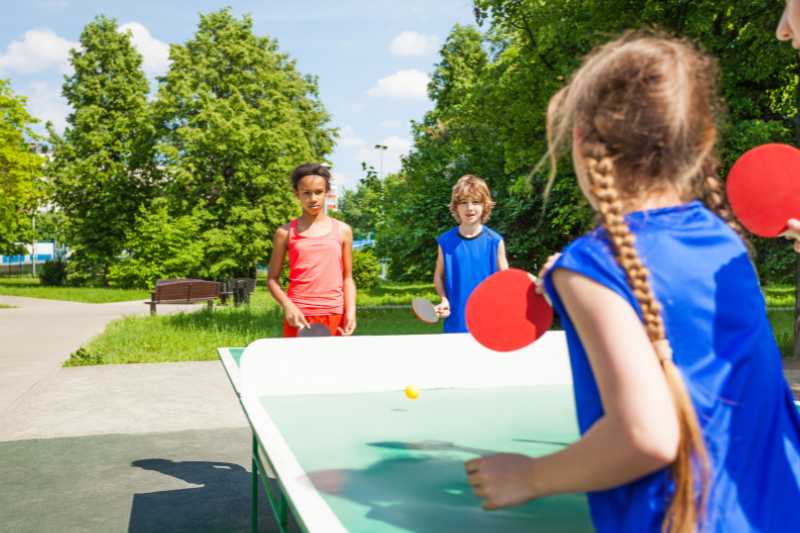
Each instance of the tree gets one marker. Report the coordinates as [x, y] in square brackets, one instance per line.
[159, 246]
[490, 93]
[235, 116]
[363, 209]
[103, 167]
[20, 171]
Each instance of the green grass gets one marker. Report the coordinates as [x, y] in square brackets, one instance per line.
[783, 328]
[32, 288]
[396, 294]
[779, 295]
[3, 306]
[196, 336]
[382, 311]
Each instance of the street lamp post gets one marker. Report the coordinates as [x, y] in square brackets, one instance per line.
[381, 148]
[33, 248]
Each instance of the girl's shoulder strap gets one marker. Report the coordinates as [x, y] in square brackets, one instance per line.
[336, 230]
[293, 229]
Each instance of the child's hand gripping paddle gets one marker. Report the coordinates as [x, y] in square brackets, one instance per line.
[505, 312]
[764, 188]
[315, 330]
[424, 310]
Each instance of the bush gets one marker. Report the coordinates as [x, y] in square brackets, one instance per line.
[366, 268]
[54, 273]
[160, 246]
[81, 357]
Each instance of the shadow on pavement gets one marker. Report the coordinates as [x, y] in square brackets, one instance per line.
[221, 502]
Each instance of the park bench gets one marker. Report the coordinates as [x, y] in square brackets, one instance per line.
[184, 291]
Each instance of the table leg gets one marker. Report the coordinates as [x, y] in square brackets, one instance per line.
[254, 489]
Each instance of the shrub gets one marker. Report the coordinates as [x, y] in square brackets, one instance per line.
[366, 268]
[159, 247]
[54, 273]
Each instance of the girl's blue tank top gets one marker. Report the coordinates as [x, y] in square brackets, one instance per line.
[467, 262]
[716, 321]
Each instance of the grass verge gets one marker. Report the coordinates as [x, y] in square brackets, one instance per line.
[196, 336]
[382, 311]
[32, 288]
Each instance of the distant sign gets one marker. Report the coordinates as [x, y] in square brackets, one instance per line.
[45, 251]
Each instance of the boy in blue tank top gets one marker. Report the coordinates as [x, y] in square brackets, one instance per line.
[468, 253]
[687, 422]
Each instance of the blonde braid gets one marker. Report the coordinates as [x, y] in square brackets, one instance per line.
[714, 196]
[684, 513]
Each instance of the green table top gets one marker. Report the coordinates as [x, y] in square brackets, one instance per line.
[384, 463]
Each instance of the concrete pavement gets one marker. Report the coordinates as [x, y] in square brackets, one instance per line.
[38, 335]
[145, 447]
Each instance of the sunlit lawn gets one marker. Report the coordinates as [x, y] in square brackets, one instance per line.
[196, 336]
[779, 295]
[32, 288]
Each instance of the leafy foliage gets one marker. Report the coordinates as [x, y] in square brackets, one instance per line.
[159, 247]
[103, 168]
[53, 273]
[366, 269]
[20, 170]
[364, 208]
[490, 91]
[234, 117]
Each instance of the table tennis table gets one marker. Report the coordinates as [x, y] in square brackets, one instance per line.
[347, 451]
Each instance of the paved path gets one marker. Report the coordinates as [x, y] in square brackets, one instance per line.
[137, 448]
[40, 399]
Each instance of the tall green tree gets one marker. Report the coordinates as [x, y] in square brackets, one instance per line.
[491, 88]
[20, 171]
[103, 168]
[235, 116]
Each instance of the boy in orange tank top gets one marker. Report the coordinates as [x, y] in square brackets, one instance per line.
[321, 287]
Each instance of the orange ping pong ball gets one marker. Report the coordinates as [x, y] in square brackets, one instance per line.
[412, 393]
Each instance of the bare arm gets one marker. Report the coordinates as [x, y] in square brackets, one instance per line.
[443, 308]
[638, 432]
[502, 261]
[349, 284]
[280, 244]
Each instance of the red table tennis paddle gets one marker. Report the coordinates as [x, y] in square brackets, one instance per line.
[764, 188]
[505, 312]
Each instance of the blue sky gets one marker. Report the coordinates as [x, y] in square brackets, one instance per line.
[372, 58]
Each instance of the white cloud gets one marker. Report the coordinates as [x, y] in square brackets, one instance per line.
[154, 52]
[39, 50]
[408, 84]
[349, 139]
[46, 103]
[411, 43]
[364, 152]
[397, 147]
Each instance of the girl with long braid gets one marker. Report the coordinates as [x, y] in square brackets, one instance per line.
[687, 422]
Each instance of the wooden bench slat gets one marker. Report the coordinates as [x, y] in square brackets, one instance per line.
[184, 291]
